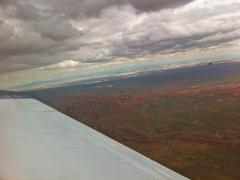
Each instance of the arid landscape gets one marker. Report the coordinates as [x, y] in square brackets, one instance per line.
[189, 122]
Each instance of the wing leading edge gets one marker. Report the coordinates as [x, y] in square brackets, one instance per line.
[37, 142]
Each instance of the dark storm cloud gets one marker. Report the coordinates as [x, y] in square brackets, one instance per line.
[5, 2]
[27, 29]
[74, 8]
[154, 5]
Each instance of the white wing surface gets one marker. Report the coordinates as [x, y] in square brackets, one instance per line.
[39, 143]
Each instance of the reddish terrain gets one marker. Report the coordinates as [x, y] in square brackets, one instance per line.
[193, 129]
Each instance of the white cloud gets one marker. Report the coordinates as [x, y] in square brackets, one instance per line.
[62, 65]
[68, 64]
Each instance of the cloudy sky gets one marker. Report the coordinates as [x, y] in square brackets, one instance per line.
[47, 42]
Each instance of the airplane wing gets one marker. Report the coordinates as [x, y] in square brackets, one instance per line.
[39, 143]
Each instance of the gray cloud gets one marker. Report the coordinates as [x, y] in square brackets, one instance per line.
[27, 29]
[36, 33]
[73, 8]
[154, 5]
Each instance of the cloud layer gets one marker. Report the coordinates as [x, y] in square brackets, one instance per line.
[37, 33]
